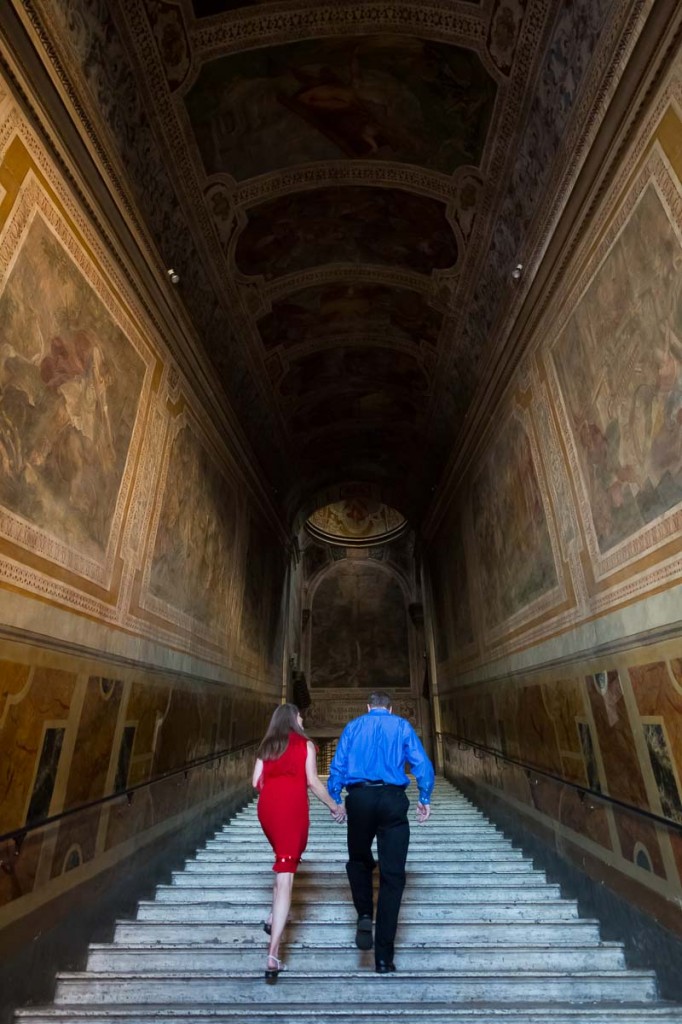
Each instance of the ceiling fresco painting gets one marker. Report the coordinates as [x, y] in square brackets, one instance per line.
[346, 225]
[380, 97]
[372, 405]
[355, 368]
[356, 519]
[344, 188]
[317, 315]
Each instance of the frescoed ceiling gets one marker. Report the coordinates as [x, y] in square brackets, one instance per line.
[344, 188]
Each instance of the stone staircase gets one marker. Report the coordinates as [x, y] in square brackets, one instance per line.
[483, 938]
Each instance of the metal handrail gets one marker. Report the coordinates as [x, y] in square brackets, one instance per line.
[583, 791]
[19, 834]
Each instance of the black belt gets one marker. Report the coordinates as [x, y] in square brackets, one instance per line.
[372, 783]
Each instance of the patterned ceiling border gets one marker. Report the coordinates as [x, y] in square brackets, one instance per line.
[352, 273]
[455, 23]
[186, 173]
[433, 184]
[538, 23]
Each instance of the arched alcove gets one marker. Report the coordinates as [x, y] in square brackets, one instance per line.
[359, 629]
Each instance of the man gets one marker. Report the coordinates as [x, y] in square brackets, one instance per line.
[370, 762]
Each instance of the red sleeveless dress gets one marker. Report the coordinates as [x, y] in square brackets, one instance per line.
[283, 810]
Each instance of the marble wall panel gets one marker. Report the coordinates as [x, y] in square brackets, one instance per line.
[589, 728]
[94, 740]
[44, 704]
[172, 721]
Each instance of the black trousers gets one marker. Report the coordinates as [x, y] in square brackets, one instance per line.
[379, 811]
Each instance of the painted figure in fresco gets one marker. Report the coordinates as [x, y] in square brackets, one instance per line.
[375, 97]
[346, 224]
[285, 770]
[620, 363]
[193, 547]
[54, 422]
[369, 762]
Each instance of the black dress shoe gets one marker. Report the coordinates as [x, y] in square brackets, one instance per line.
[363, 932]
[384, 967]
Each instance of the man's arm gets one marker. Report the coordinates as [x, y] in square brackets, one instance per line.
[420, 764]
[338, 768]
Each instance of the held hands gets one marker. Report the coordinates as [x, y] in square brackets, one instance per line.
[338, 813]
[423, 813]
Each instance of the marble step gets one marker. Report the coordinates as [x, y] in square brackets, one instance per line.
[367, 988]
[442, 837]
[470, 932]
[418, 840]
[386, 1013]
[415, 855]
[320, 846]
[416, 880]
[512, 864]
[343, 912]
[140, 958]
[302, 894]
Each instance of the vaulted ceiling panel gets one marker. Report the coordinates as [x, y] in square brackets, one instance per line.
[380, 226]
[382, 97]
[344, 188]
[320, 315]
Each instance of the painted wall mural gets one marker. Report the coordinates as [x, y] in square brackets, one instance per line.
[261, 601]
[599, 503]
[449, 574]
[386, 97]
[510, 522]
[324, 313]
[192, 563]
[71, 384]
[619, 362]
[359, 630]
[346, 225]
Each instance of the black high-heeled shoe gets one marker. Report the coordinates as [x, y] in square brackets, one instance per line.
[267, 927]
[271, 973]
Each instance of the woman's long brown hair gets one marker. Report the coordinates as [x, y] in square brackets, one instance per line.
[284, 721]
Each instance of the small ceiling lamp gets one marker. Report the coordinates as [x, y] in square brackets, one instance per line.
[517, 272]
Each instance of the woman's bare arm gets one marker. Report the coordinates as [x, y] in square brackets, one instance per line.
[315, 785]
[257, 773]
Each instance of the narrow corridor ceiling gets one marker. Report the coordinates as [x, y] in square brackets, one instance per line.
[344, 189]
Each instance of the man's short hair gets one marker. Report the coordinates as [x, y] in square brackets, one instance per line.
[380, 699]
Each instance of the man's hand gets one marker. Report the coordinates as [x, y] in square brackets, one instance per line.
[339, 814]
[423, 813]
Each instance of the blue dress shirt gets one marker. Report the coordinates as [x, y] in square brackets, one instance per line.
[375, 748]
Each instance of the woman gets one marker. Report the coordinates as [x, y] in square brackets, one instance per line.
[285, 769]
